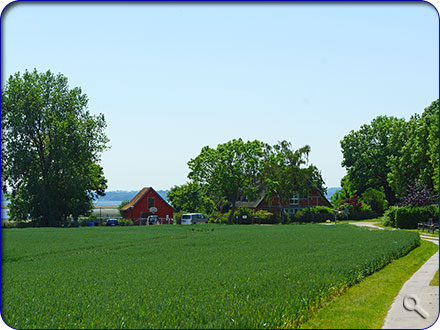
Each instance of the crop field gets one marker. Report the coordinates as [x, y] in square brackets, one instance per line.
[202, 276]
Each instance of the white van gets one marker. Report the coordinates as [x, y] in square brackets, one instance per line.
[193, 218]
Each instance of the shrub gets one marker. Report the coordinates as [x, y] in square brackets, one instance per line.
[125, 222]
[262, 216]
[217, 217]
[407, 217]
[375, 199]
[314, 213]
[389, 217]
[354, 201]
[364, 213]
[241, 213]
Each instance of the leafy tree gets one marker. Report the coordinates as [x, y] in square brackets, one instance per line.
[229, 171]
[353, 202]
[190, 197]
[284, 173]
[418, 194]
[120, 206]
[51, 147]
[346, 192]
[418, 157]
[375, 199]
[366, 153]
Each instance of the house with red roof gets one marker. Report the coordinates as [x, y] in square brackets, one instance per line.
[147, 202]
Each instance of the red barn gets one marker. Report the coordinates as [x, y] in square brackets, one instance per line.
[147, 202]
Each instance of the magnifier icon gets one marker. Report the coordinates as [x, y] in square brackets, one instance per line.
[411, 303]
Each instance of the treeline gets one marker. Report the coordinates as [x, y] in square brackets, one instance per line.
[122, 195]
[238, 170]
[392, 161]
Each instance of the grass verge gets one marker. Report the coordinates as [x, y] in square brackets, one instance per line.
[365, 305]
[435, 281]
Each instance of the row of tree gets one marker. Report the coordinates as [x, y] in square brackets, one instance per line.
[395, 157]
[236, 169]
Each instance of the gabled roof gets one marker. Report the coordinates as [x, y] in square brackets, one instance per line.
[257, 202]
[139, 196]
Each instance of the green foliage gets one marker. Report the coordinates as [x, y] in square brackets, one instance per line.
[228, 171]
[120, 206]
[263, 215]
[284, 173]
[243, 212]
[389, 216]
[235, 276]
[51, 147]
[314, 213]
[389, 154]
[366, 154]
[190, 197]
[125, 222]
[407, 217]
[418, 157]
[239, 169]
[375, 199]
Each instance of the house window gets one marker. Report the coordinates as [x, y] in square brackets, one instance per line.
[150, 202]
[295, 199]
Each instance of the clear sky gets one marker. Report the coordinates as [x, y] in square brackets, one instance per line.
[172, 78]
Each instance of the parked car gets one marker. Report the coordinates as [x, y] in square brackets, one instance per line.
[193, 218]
[112, 222]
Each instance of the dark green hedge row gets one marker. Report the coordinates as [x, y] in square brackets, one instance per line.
[407, 217]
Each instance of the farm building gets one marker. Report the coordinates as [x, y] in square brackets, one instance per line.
[315, 197]
[147, 202]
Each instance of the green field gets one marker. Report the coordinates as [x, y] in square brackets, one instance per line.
[185, 276]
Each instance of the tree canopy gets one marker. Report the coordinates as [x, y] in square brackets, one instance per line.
[51, 148]
[391, 155]
[239, 169]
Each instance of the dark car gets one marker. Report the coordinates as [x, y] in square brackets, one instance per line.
[112, 222]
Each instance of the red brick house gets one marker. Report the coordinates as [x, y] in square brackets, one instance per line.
[147, 202]
[315, 197]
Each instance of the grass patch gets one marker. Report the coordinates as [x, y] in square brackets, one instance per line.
[202, 276]
[365, 305]
[435, 280]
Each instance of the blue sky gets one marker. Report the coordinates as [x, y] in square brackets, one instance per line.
[172, 78]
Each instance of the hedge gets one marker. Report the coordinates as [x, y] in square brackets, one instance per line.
[314, 213]
[407, 217]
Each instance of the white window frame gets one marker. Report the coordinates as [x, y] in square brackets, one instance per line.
[295, 199]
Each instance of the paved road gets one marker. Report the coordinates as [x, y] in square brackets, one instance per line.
[417, 304]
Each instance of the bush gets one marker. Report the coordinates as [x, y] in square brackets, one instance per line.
[375, 199]
[364, 213]
[242, 212]
[389, 217]
[125, 222]
[407, 217]
[314, 213]
[354, 201]
[217, 217]
[262, 216]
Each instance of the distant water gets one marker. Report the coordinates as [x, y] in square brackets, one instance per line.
[107, 202]
[5, 212]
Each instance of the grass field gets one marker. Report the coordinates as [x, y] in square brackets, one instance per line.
[185, 276]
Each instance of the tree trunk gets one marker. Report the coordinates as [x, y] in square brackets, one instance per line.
[231, 214]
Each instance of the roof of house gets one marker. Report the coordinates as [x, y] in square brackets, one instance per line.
[139, 196]
[251, 204]
[257, 202]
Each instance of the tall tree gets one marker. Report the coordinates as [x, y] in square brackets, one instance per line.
[230, 170]
[285, 172]
[366, 153]
[190, 197]
[417, 159]
[51, 148]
